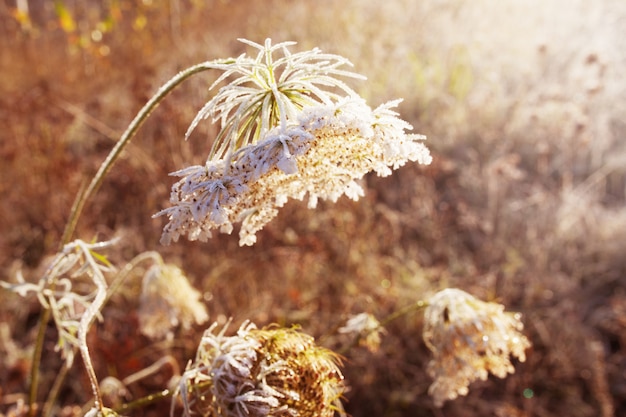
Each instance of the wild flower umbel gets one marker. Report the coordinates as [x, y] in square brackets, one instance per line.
[322, 156]
[261, 372]
[469, 338]
[284, 134]
[270, 91]
[167, 300]
[366, 329]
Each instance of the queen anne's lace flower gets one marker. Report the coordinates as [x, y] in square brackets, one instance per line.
[469, 338]
[285, 132]
[323, 156]
[168, 300]
[261, 372]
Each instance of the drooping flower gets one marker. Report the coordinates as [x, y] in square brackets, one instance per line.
[261, 372]
[286, 131]
[469, 339]
[322, 157]
[168, 300]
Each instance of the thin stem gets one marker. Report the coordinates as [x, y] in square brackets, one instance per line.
[152, 369]
[34, 370]
[141, 117]
[151, 398]
[84, 325]
[54, 391]
[418, 305]
[143, 401]
[84, 194]
[117, 283]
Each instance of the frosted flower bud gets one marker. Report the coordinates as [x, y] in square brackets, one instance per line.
[366, 328]
[261, 372]
[469, 339]
[168, 300]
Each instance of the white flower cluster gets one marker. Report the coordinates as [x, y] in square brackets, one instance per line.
[322, 155]
[469, 338]
[167, 300]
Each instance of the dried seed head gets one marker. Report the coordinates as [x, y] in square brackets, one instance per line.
[168, 300]
[261, 372]
[469, 338]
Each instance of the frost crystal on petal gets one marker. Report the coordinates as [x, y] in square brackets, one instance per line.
[323, 156]
[284, 136]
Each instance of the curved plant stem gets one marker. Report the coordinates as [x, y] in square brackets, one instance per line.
[117, 283]
[141, 117]
[85, 193]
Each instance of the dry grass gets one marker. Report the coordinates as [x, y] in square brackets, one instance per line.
[523, 106]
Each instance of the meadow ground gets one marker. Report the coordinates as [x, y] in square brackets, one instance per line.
[524, 107]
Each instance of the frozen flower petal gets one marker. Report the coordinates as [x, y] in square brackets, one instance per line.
[283, 135]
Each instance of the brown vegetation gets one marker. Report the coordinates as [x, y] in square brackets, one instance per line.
[522, 102]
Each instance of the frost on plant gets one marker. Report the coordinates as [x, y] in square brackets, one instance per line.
[269, 92]
[261, 372]
[168, 300]
[469, 338]
[72, 288]
[284, 136]
[367, 330]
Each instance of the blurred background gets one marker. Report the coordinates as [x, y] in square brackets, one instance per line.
[524, 106]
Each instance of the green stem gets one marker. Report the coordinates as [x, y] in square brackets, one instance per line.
[152, 398]
[143, 401]
[84, 195]
[418, 305]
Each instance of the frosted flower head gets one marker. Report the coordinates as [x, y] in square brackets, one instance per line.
[331, 147]
[366, 328]
[261, 372]
[286, 131]
[168, 300]
[469, 339]
[270, 90]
